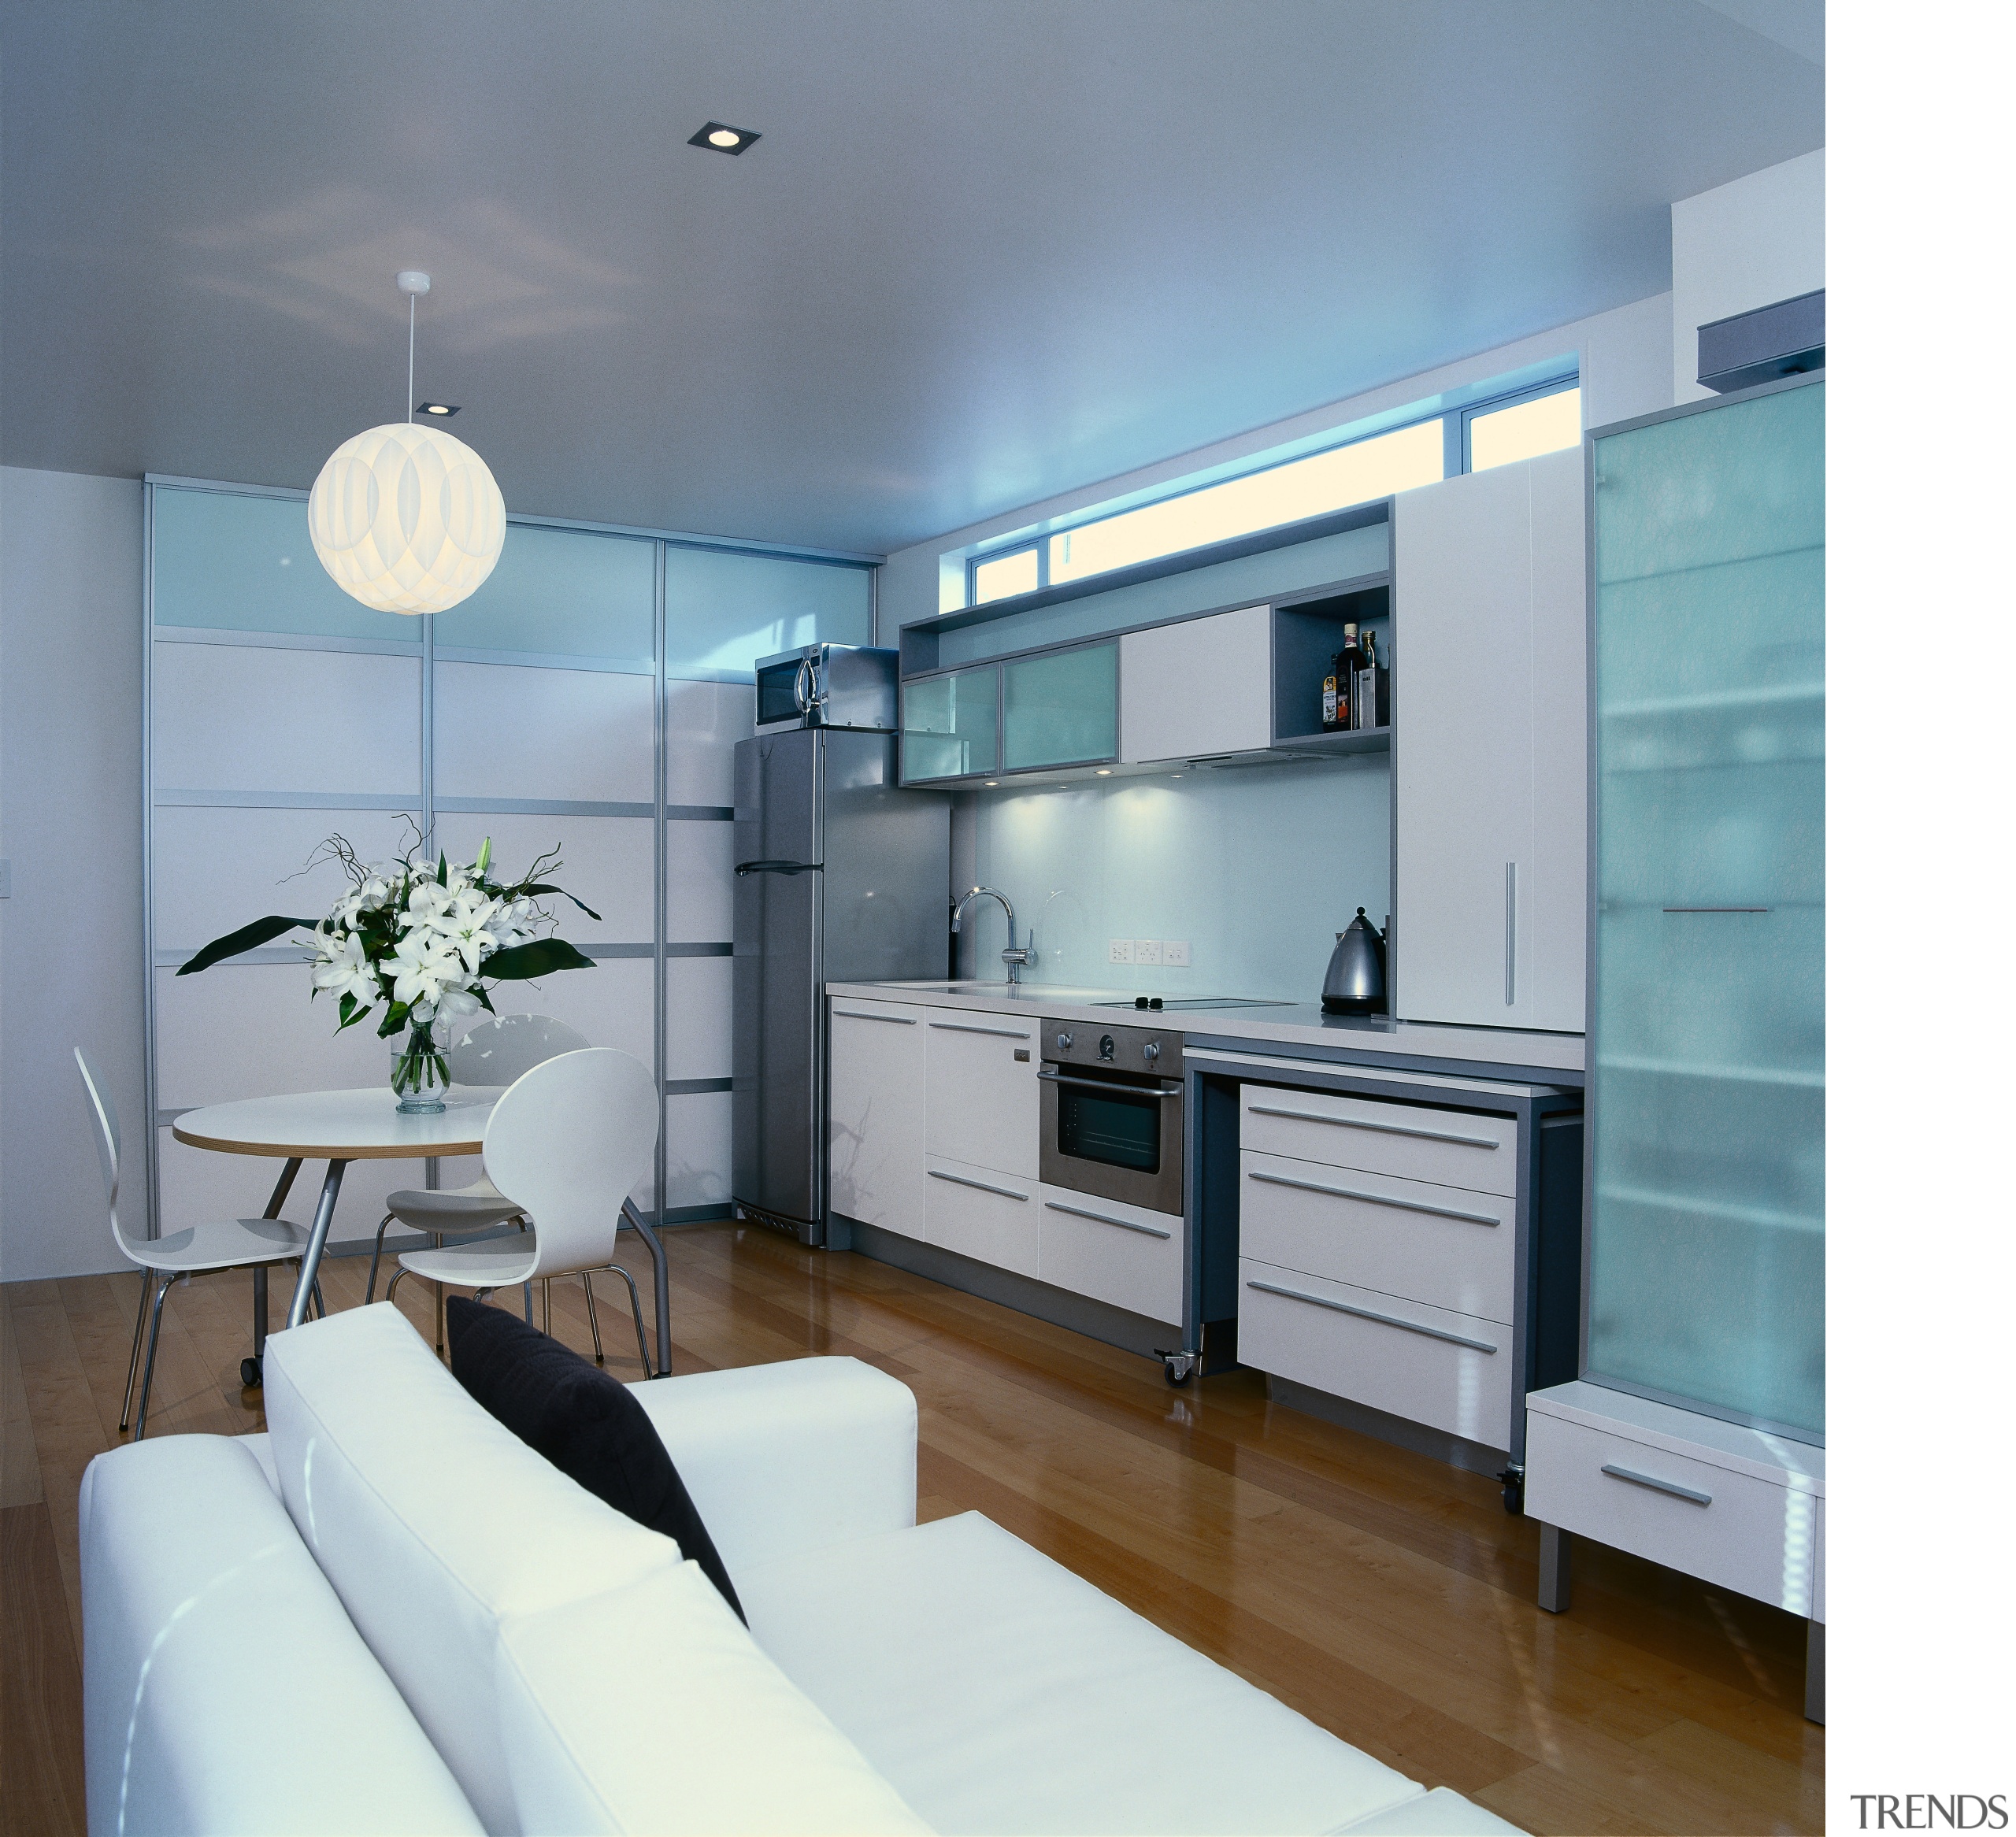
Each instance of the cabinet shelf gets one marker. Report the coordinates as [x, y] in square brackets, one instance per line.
[1371, 740]
[1777, 695]
[1726, 1074]
[1765, 1218]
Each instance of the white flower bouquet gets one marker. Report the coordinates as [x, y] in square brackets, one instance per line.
[424, 939]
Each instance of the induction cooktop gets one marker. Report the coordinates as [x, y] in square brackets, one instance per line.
[1160, 1004]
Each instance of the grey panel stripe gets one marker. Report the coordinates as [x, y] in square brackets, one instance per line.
[302, 953]
[541, 807]
[700, 950]
[1374, 1198]
[1296, 1294]
[285, 800]
[699, 812]
[546, 659]
[288, 641]
[696, 1087]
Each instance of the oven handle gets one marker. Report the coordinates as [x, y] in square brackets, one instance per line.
[1108, 1087]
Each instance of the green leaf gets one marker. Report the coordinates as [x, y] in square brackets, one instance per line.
[441, 878]
[352, 1011]
[396, 1017]
[540, 958]
[534, 892]
[482, 995]
[246, 938]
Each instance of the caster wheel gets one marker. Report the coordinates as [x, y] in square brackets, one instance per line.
[1177, 1371]
[1514, 1482]
[248, 1374]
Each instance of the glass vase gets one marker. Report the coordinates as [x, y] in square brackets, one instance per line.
[420, 1068]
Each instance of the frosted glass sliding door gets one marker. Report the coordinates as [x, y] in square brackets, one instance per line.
[1708, 1230]
[588, 699]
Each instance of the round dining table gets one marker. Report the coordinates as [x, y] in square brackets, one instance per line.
[339, 1127]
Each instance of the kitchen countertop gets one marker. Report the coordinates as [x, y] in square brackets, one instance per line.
[1288, 1030]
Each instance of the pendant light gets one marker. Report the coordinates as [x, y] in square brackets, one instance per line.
[405, 518]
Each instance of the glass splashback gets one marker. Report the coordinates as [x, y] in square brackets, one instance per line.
[1708, 1236]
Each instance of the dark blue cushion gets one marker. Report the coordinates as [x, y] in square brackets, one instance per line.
[583, 1420]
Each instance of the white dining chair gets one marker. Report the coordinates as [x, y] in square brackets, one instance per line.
[494, 1054]
[197, 1249]
[564, 1144]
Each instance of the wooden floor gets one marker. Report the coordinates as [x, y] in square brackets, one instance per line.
[1385, 1595]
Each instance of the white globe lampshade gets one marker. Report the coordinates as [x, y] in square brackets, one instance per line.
[406, 519]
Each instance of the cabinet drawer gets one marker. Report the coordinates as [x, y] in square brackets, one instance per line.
[981, 1213]
[1125, 1255]
[1732, 1529]
[1450, 1371]
[1446, 1245]
[1416, 1142]
[979, 1103]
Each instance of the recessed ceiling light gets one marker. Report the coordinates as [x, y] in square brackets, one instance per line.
[440, 410]
[718, 137]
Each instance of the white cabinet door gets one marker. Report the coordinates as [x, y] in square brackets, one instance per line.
[980, 1099]
[1203, 687]
[1561, 743]
[874, 1110]
[989, 1217]
[1463, 749]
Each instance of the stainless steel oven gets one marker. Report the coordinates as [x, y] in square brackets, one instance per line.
[1112, 1113]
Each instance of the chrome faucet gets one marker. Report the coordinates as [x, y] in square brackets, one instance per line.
[1014, 956]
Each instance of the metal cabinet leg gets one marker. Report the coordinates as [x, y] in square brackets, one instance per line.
[1816, 1672]
[1556, 1544]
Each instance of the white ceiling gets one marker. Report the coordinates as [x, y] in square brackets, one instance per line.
[987, 250]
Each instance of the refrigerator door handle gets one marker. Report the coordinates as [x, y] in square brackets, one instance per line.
[781, 867]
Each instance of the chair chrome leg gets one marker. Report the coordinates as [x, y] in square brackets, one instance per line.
[133, 1364]
[394, 1281]
[588, 1288]
[529, 1304]
[315, 1295]
[636, 1314]
[545, 1304]
[377, 1250]
[440, 1309]
[153, 1345]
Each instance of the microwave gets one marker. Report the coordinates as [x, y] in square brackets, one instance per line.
[827, 685]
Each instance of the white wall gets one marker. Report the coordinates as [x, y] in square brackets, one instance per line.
[70, 825]
[1752, 242]
[1256, 870]
[1626, 357]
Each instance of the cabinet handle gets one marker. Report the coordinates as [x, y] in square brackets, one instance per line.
[1662, 1486]
[964, 1027]
[1323, 1301]
[1124, 1224]
[1262, 1110]
[960, 1180]
[1511, 931]
[1375, 1198]
[856, 1014]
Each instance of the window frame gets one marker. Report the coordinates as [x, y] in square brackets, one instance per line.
[1517, 398]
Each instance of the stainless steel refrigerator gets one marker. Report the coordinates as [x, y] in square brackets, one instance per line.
[839, 876]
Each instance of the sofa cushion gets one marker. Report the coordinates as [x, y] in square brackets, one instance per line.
[996, 1691]
[650, 1709]
[221, 1671]
[433, 1522]
[583, 1420]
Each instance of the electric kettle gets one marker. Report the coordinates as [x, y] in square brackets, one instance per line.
[1356, 984]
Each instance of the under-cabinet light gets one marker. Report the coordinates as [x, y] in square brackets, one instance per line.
[718, 137]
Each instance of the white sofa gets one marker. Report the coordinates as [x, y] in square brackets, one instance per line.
[389, 1615]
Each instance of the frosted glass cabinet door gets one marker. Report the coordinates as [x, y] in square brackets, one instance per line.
[1708, 1236]
[1061, 710]
[951, 725]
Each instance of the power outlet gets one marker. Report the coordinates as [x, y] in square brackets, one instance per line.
[1148, 950]
[1120, 949]
[1176, 953]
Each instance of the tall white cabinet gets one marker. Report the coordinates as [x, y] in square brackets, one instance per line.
[1490, 761]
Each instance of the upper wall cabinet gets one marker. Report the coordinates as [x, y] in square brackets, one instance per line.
[1036, 713]
[1197, 687]
[1491, 764]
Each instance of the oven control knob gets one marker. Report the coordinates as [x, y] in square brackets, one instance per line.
[1106, 1045]
[1064, 1042]
[1151, 1052]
